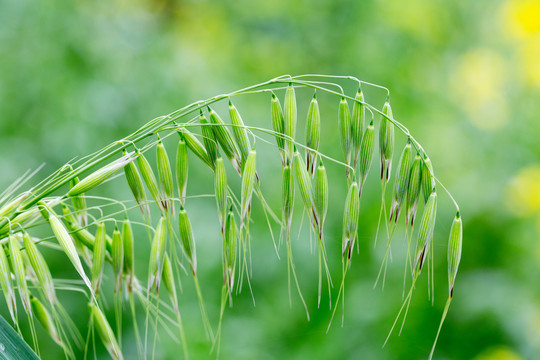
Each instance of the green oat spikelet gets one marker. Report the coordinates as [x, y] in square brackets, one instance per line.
[157, 254]
[287, 196]
[41, 269]
[304, 183]
[351, 215]
[402, 181]
[17, 265]
[65, 240]
[165, 177]
[136, 186]
[105, 332]
[240, 132]
[428, 180]
[99, 176]
[321, 194]
[278, 125]
[79, 202]
[366, 154]
[7, 286]
[290, 119]
[248, 184]
[209, 139]
[182, 170]
[129, 253]
[357, 124]
[454, 257]
[413, 190]
[195, 146]
[425, 232]
[98, 260]
[313, 134]
[117, 258]
[344, 123]
[230, 245]
[454, 251]
[220, 188]
[186, 235]
[386, 141]
[225, 140]
[149, 178]
[46, 320]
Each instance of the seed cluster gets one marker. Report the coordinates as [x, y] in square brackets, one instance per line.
[94, 240]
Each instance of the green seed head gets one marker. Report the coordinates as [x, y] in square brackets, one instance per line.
[165, 177]
[402, 181]
[313, 134]
[386, 141]
[454, 251]
[321, 194]
[186, 235]
[182, 170]
[344, 121]
[220, 186]
[288, 194]
[425, 233]
[129, 264]
[290, 119]
[157, 254]
[5, 282]
[413, 189]
[45, 319]
[105, 332]
[278, 124]
[304, 181]
[240, 132]
[17, 264]
[41, 269]
[136, 186]
[248, 184]
[428, 181]
[225, 139]
[357, 125]
[195, 146]
[117, 258]
[366, 153]
[98, 260]
[65, 240]
[229, 249]
[149, 177]
[209, 139]
[168, 279]
[79, 202]
[99, 176]
[351, 215]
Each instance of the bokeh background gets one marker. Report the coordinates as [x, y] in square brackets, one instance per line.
[464, 77]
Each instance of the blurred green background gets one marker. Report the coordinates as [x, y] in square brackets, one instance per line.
[464, 77]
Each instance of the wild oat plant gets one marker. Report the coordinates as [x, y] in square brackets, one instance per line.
[58, 206]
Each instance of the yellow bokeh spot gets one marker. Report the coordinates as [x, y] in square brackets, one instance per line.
[498, 353]
[523, 191]
[522, 23]
[478, 82]
[523, 17]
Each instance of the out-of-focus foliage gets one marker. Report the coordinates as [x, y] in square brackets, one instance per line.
[464, 77]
